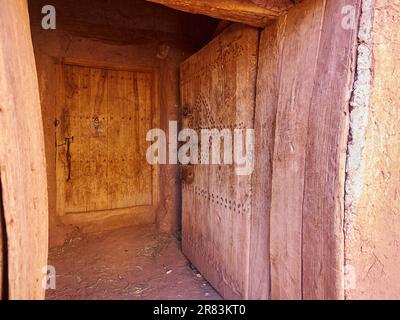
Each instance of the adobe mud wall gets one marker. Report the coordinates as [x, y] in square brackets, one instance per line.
[372, 216]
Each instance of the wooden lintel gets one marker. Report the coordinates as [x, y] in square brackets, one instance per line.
[241, 11]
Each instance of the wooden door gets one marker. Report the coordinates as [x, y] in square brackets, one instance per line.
[104, 117]
[218, 92]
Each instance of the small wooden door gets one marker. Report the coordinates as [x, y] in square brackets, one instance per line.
[218, 92]
[104, 117]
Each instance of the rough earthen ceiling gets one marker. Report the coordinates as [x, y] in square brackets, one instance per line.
[129, 21]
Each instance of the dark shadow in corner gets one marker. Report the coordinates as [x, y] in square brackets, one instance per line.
[3, 251]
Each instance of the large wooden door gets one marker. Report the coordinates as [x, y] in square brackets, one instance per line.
[104, 116]
[218, 92]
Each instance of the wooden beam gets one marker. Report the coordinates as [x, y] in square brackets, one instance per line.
[281, 5]
[243, 11]
[22, 158]
[324, 171]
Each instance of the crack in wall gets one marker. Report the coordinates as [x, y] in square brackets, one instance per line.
[359, 113]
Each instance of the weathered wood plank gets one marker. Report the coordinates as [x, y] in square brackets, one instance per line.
[97, 139]
[307, 245]
[323, 208]
[265, 114]
[282, 5]
[22, 157]
[298, 61]
[219, 91]
[100, 106]
[233, 10]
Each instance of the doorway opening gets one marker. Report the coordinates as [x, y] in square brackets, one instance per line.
[108, 74]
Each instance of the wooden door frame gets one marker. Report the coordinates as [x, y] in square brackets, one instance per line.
[23, 164]
[22, 157]
[83, 217]
[251, 12]
[305, 261]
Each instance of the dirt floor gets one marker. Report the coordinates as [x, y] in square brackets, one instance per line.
[127, 264]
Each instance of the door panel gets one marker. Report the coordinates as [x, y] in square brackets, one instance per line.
[218, 91]
[106, 114]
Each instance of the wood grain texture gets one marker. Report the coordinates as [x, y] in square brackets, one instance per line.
[282, 5]
[241, 11]
[297, 71]
[306, 215]
[323, 203]
[218, 88]
[108, 111]
[22, 158]
[270, 50]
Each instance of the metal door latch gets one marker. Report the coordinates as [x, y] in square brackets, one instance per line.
[67, 143]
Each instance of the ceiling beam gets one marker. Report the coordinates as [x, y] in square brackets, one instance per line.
[282, 5]
[243, 11]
